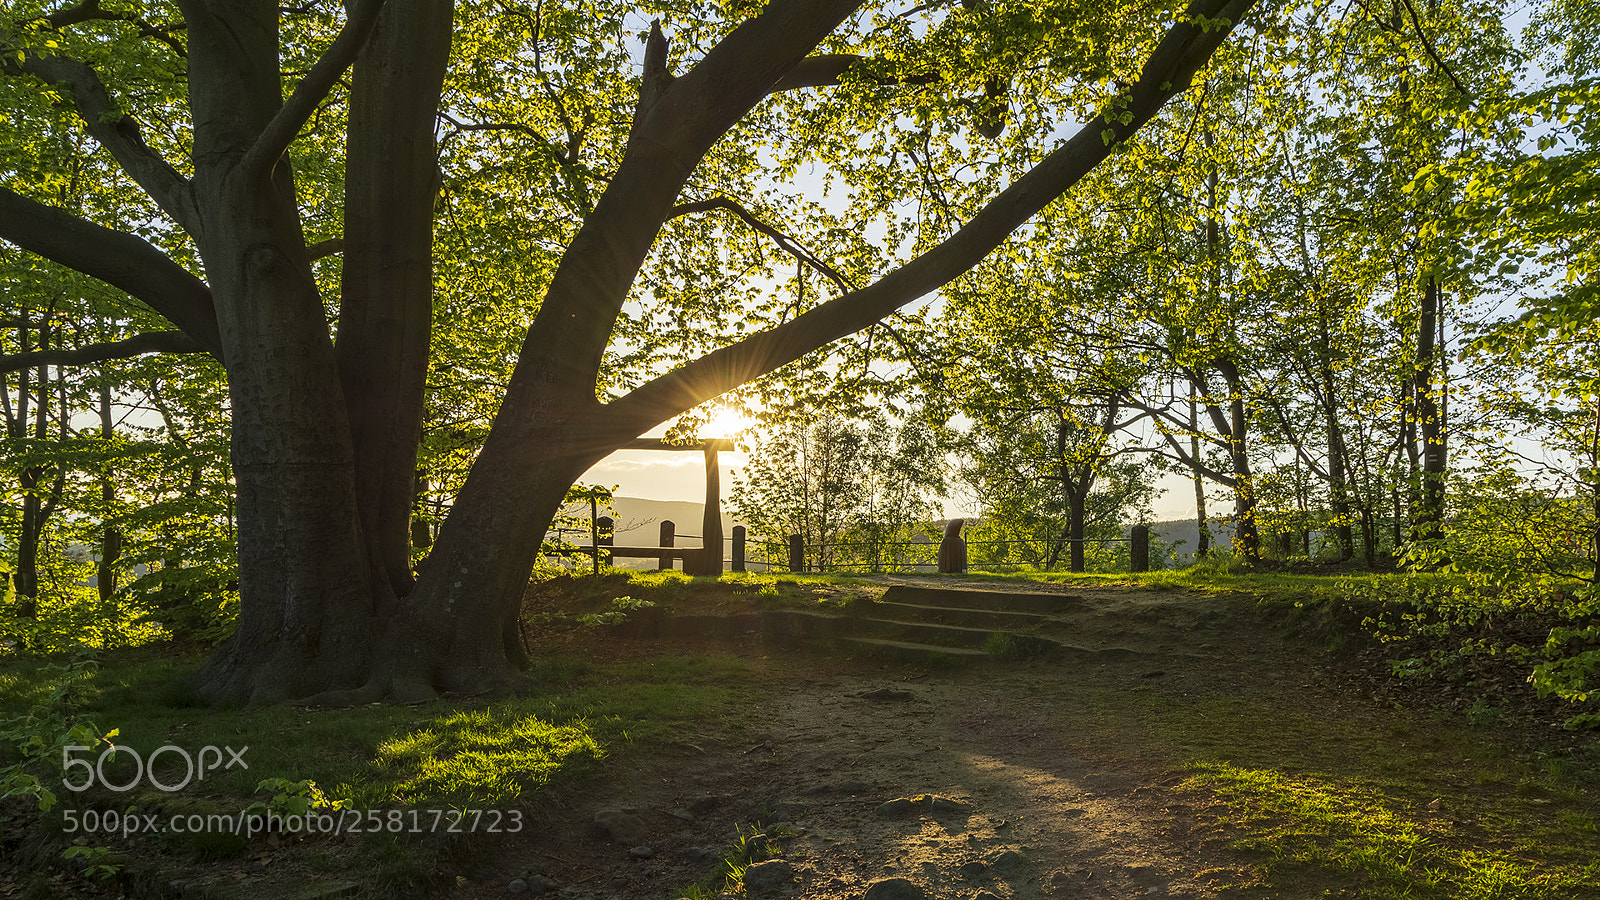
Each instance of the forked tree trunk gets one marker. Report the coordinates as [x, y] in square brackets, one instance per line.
[307, 603]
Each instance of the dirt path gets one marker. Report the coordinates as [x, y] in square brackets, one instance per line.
[986, 782]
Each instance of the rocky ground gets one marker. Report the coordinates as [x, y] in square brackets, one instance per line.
[894, 781]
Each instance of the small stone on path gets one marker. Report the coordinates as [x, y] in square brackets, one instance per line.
[620, 826]
[768, 877]
[887, 695]
[931, 803]
[517, 886]
[642, 852]
[1006, 861]
[705, 803]
[894, 889]
[900, 806]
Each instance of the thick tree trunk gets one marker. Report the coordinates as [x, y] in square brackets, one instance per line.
[459, 630]
[386, 294]
[307, 605]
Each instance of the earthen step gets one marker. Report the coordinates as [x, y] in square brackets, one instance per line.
[934, 634]
[953, 598]
[915, 652]
[957, 615]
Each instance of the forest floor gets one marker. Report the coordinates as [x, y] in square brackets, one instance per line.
[1199, 743]
[1214, 750]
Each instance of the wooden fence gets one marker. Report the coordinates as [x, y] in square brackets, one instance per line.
[951, 550]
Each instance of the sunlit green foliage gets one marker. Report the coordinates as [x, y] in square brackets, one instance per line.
[860, 494]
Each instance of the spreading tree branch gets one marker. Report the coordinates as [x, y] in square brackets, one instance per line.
[1427, 45]
[275, 139]
[1171, 67]
[784, 242]
[827, 69]
[89, 10]
[117, 258]
[138, 345]
[116, 131]
[322, 249]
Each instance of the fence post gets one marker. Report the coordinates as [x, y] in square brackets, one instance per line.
[738, 548]
[711, 527]
[953, 550]
[1139, 551]
[797, 553]
[608, 537]
[669, 532]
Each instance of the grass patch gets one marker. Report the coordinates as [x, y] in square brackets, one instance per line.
[1332, 800]
[579, 721]
[1310, 831]
[750, 846]
[484, 756]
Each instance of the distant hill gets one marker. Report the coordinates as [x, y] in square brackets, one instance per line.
[1188, 531]
[639, 520]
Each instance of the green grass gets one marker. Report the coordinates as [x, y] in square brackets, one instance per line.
[580, 721]
[750, 845]
[1344, 800]
[1270, 586]
[1309, 831]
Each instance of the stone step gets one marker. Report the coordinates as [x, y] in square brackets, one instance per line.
[932, 633]
[956, 615]
[914, 652]
[955, 598]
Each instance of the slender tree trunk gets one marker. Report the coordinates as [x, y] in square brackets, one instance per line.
[110, 535]
[1075, 528]
[1203, 541]
[1246, 538]
[1338, 483]
[1428, 513]
[1594, 493]
[29, 534]
[36, 509]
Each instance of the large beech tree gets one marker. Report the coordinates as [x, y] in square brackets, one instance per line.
[326, 421]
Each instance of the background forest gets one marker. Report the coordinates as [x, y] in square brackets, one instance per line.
[1347, 283]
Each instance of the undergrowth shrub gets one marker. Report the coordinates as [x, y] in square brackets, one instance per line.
[1448, 617]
